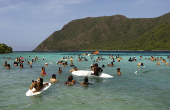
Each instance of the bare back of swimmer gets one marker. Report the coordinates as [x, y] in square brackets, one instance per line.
[97, 70]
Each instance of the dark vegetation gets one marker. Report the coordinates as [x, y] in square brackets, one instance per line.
[5, 49]
[111, 33]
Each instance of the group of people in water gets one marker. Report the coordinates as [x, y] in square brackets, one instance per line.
[38, 84]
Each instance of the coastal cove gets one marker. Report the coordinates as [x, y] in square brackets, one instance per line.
[147, 89]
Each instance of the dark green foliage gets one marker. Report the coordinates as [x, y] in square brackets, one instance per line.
[111, 33]
[5, 49]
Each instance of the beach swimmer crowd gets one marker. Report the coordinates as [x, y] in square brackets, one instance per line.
[94, 68]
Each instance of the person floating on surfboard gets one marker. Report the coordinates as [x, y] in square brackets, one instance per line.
[97, 70]
[38, 85]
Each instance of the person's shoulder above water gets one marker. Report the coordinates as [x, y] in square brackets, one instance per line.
[70, 81]
[53, 79]
[86, 82]
[8, 66]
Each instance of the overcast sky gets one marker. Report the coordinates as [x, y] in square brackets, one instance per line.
[24, 24]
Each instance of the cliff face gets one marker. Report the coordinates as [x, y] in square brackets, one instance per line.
[111, 33]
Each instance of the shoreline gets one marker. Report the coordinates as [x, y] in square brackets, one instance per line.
[102, 51]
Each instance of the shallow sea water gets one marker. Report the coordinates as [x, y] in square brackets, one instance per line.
[146, 90]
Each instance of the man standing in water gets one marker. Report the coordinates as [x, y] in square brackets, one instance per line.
[97, 70]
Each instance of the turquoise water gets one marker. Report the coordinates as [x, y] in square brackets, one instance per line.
[148, 89]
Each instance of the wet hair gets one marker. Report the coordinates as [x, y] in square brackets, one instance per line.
[41, 82]
[70, 78]
[75, 67]
[118, 68]
[86, 81]
[96, 64]
[112, 63]
[43, 67]
[65, 63]
[59, 69]
[141, 64]
[8, 65]
[53, 76]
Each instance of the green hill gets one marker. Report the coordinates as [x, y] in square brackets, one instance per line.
[111, 33]
[5, 49]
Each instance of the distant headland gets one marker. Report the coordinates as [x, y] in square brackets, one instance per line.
[115, 32]
[5, 49]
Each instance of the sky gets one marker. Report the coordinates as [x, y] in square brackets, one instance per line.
[24, 24]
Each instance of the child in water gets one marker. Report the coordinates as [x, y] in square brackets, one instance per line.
[118, 71]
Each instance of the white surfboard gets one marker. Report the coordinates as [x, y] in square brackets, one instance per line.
[30, 92]
[88, 73]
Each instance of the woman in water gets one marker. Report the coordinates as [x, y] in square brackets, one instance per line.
[43, 73]
[60, 70]
[70, 81]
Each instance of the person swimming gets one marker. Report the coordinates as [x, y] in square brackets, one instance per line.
[8, 66]
[70, 81]
[86, 82]
[15, 63]
[118, 71]
[158, 63]
[60, 70]
[141, 66]
[43, 73]
[21, 66]
[166, 63]
[75, 69]
[53, 79]
[46, 64]
[72, 65]
[5, 63]
[111, 64]
[103, 66]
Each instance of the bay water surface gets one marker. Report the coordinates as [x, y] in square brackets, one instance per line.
[148, 89]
